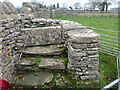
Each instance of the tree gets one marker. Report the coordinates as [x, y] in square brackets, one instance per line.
[64, 5]
[109, 2]
[93, 3]
[18, 8]
[77, 5]
[58, 5]
[102, 4]
[37, 2]
[34, 2]
[70, 7]
[53, 5]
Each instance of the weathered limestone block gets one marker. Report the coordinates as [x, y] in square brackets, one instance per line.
[25, 65]
[9, 8]
[1, 9]
[1, 29]
[30, 64]
[42, 36]
[35, 80]
[37, 22]
[35, 10]
[44, 50]
[52, 63]
[29, 7]
[43, 13]
[79, 46]
[80, 36]
[69, 25]
[88, 77]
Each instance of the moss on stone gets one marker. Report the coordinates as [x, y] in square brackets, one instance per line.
[38, 60]
[65, 59]
[56, 57]
[20, 77]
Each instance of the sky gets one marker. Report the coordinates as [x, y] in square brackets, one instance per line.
[17, 3]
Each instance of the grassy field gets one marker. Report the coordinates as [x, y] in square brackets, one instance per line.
[107, 66]
[107, 23]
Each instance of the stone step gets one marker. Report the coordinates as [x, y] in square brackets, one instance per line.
[52, 63]
[25, 65]
[30, 64]
[45, 50]
[30, 79]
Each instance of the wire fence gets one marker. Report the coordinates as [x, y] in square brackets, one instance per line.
[108, 44]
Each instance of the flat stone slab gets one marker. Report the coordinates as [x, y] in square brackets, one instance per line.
[52, 63]
[42, 36]
[34, 80]
[83, 36]
[68, 25]
[44, 50]
[25, 63]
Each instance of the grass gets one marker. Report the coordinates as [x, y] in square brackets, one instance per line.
[107, 69]
[107, 63]
[107, 23]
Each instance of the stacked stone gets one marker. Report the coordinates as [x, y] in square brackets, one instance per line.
[10, 40]
[45, 36]
[83, 46]
[35, 10]
[88, 13]
[34, 23]
[49, 34]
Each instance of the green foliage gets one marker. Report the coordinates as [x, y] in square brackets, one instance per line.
[35, 72]
[52, 83]
[20, 77]
[65, 59]
[71, 7]
[37, 60]
[107, 68]
[58, 5]
[56, 56]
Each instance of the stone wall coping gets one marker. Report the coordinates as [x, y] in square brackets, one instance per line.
[39, 28]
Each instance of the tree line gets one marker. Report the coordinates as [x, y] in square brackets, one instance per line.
[102, 5]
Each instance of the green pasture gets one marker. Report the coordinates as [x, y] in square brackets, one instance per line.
[106, 23]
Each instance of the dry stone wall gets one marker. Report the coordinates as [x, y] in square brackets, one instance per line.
[35, 10]
[62, 13]
[49, 45]
[10, 47]
[7, 10]
[46, 33]
[83, 53]
[83, 47]
[44, 36]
